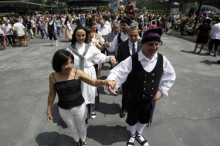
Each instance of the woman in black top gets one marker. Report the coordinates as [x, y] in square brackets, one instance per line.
[66, 82]
[202, 35]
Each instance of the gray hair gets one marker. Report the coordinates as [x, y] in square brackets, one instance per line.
[133, 26]
[115, 23]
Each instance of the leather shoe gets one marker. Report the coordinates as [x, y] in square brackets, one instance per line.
[122, 113]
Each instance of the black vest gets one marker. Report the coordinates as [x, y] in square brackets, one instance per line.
[142, 85]
[119, 39]
[50, 27]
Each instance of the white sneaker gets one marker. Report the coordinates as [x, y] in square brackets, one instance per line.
[56, 44]
[93, 115]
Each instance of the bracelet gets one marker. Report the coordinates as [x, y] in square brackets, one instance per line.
[103, 81]
[48, 113]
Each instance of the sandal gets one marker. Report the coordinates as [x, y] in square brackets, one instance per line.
[78, 143]
[144, 142]
[84, 143]
[130, 143]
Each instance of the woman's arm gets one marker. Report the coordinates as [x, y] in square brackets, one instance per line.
[51, 97]
[91, 81]
[100, 47]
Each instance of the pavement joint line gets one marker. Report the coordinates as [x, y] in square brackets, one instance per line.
[184, 117]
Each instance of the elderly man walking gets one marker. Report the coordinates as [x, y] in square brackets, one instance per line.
[149, 75]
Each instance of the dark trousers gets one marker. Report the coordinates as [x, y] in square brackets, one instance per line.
[125, 95]
[212, 42]
[11, 39]
[138, 112]
[52, 35]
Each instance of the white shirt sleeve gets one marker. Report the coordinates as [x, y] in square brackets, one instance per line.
[168, 77]
[120, 72]
[55, 27]
[113, 45]
[99, 57]
[101, 40]
[46, 28]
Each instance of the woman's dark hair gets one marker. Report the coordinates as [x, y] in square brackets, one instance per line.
[74, 33]
[208, 21]
[67, 19]
[88, 32]
[60, 58]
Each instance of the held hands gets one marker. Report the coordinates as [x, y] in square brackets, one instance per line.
[111, 85]
[107, 44]
[49, 117]
[158, 96]
[113, 61]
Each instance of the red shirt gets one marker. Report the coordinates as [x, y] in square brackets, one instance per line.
[153, 26]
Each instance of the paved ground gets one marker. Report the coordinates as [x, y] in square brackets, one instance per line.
[189, 116]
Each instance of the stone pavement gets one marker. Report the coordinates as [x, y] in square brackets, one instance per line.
[189, 116]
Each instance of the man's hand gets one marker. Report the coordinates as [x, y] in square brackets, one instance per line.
[158, 96]
[107, 44]
[110, 88]
[113, 61]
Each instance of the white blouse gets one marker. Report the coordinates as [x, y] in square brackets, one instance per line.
[93, 56]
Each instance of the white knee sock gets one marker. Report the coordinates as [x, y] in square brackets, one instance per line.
[133, 131]
[140, 128]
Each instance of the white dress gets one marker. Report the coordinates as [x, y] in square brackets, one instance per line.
[94, 42]
[93, 56]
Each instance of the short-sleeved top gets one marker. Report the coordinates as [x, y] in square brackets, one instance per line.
[69, 93]
[58, 23]
[19, 29]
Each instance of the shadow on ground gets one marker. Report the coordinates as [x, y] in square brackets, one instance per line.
[101, 91]
[65, 41]
[106, 108]
[56, 116]
[54, 139]
[108, 135]
[208, 62]
[105, 67]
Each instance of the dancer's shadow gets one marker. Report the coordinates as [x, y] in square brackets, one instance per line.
[191, 52]
[103, 77]
[106, 67]
[108, 135]
[208, 62]
[54, 139]
[49, 45]
[185, 51]
[56, 116]
[65, 41]
[106, 108]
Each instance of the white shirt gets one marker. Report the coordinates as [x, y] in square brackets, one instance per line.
[33, 23]
[93, 56]
[19, 29]
[122, 70]
[114, 44]
[1, 31]
[215, 32]
[109, 25]
[105, 30]
[8, 29]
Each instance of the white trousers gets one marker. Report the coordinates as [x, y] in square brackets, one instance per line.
[75, 120]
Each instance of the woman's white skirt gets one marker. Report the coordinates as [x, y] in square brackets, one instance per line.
[89, 92]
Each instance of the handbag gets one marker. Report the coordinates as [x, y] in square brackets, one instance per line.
[67, 34]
